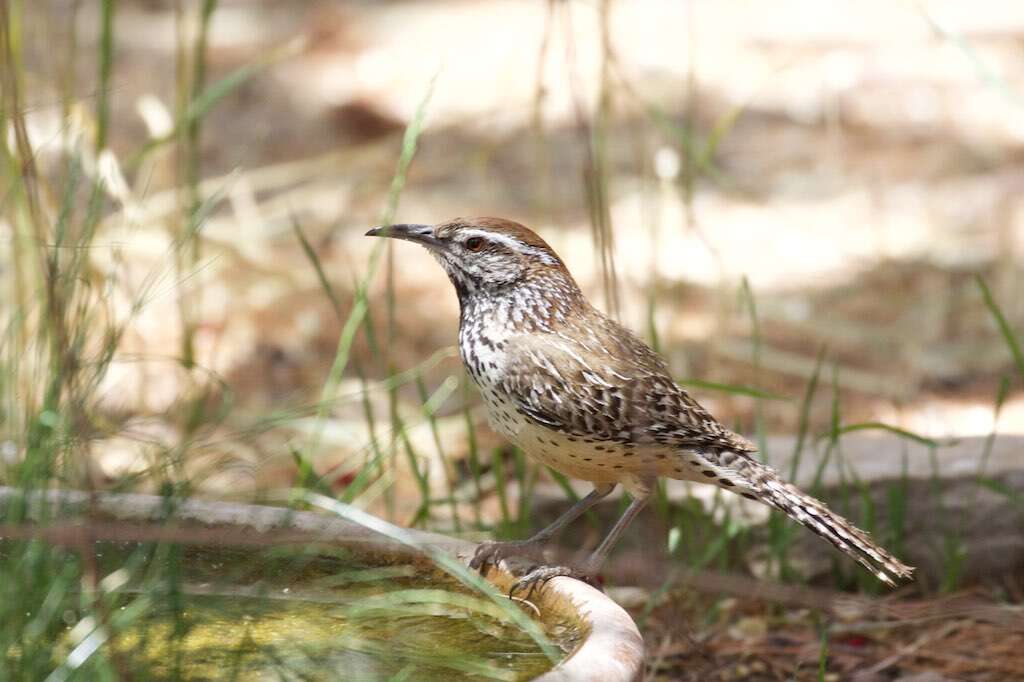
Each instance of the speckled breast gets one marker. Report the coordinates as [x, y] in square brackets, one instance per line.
[575, 456]
[483, 339]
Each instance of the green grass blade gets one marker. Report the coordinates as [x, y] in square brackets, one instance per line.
[805, 414]
[106, 63]
[733, 389]
[314, 260]
[1004, 327]
[360, 306]
[748, 300]
[879, 426]
[210, 97]
[1000, 488]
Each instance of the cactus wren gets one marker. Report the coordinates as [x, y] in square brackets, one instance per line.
[581, 394]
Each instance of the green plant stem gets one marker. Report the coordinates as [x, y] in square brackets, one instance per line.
[106, 64]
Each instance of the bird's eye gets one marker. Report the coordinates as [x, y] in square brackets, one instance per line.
[475, 243]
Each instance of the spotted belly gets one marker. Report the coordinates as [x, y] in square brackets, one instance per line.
[579, 457]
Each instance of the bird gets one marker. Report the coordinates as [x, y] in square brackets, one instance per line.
[580, 393]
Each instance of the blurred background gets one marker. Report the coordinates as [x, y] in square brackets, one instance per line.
[814, 210]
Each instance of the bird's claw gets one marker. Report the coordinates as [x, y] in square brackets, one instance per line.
[539, 575]
[493, 553]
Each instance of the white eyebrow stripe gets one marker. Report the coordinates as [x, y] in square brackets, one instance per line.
[513, 244]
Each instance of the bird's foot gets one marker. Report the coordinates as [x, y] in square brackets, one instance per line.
[493, 553]
[539, 575]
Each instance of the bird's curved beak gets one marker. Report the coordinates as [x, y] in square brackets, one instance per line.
[421, 234]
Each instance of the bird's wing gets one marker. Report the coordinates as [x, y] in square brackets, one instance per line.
[605, 384]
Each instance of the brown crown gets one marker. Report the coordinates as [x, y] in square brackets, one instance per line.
[501, 226]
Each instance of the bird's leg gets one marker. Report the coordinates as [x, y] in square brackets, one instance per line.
[596, 560]
[542, 574]
[493, 552]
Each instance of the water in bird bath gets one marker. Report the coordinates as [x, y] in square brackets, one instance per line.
[291, 614]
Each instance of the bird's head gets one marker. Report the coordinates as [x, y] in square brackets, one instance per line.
[485, 254]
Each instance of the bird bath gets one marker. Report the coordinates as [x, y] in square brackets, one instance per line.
[266, 592]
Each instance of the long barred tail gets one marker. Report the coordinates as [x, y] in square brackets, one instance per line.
[813, 514]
